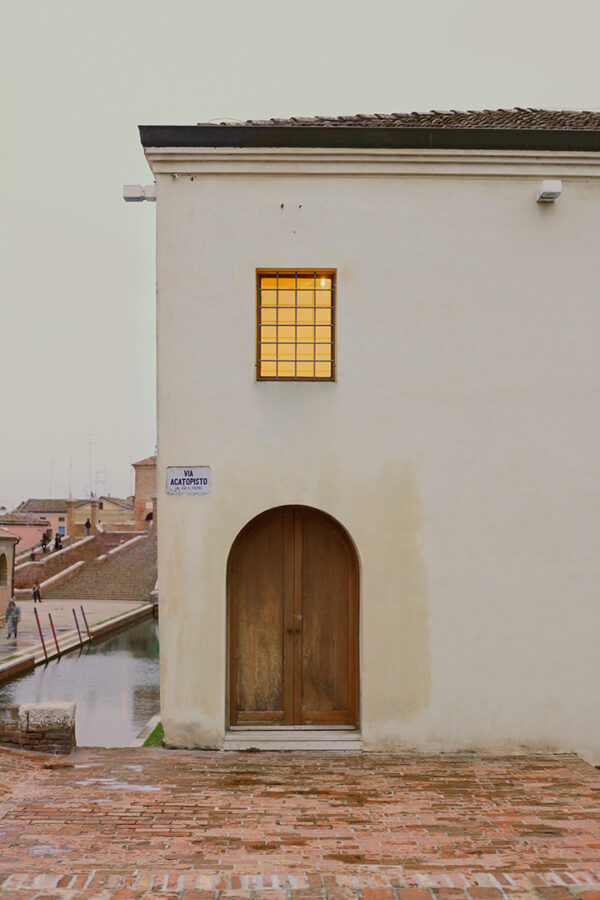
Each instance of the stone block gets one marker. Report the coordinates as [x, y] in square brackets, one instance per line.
[9, 715]
[40, 717]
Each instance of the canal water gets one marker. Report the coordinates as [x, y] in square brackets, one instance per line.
[115, 685]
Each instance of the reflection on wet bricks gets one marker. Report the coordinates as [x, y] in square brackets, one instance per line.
[139, 823]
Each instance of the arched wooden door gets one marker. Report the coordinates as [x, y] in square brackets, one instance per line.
[292, 593]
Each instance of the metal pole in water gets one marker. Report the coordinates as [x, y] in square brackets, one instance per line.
[37, 619]
[78, 631]
[54, 633]
[87, 627]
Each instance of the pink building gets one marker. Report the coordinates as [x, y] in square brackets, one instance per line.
[54, 510]
[28, 527]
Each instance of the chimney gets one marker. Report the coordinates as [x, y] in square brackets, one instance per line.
[70, 517]
[94, 515]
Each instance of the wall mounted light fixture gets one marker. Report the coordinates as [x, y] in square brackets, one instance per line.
[135, 193]
[548, 191]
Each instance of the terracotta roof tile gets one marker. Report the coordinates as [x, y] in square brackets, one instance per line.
[118, 501]
[148, 461]
[21, 518]
[43, 506]
[51, 505]
[517, 118]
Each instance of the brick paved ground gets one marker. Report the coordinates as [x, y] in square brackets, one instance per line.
[248, 826]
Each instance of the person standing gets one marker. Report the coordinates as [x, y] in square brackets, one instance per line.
[13, 617]
[88, 526]
[36, 592]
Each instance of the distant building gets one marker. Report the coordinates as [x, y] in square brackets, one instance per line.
[28, 527]
[112, 511]
[53, 510]
[145, 491]
[8, 540]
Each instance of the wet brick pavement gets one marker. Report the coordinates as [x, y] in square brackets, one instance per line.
[147, 823]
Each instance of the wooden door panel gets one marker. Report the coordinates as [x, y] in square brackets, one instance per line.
[327, 595]
[292, 583]
[258, 583]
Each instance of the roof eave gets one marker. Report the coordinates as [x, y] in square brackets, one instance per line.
[340, 136]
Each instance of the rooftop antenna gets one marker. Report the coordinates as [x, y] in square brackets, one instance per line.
[52, 461]
[90, 444]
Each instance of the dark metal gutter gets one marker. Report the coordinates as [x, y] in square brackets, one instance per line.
[357, 137]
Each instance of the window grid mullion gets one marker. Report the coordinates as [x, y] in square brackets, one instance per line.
[283, 366]
[314, 361]
[295, 324]
[277, 325]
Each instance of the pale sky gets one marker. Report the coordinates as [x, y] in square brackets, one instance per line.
[77, 263]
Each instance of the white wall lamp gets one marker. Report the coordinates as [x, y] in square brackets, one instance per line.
[548, 191]
[135, 193]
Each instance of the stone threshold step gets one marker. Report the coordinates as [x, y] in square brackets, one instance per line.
[291, 739]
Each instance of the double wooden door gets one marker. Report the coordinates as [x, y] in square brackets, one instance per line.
[292, 590]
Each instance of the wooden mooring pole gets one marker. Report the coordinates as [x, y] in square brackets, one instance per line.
[87, 627]
[37, 619]
[78, 631]
[54, 633]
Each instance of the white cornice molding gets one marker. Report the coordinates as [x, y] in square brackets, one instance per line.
[429, 163]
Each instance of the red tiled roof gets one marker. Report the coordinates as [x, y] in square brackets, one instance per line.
[517, 118]
[149, 461]
[48, 505]
[51, 505]
[118, 501]
[21, 518]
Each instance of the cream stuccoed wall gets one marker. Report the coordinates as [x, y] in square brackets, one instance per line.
[460, 445]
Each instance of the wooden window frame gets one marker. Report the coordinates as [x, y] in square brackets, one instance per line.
[316, 273]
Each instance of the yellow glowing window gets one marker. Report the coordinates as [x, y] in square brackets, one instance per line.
[295, 338]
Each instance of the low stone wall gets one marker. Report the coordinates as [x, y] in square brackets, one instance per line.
[119, 526]
[25, 556]
[104, 557]
[64, 575]
[52, 563]
[47, 727]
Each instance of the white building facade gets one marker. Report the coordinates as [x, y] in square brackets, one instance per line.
[398, 542]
